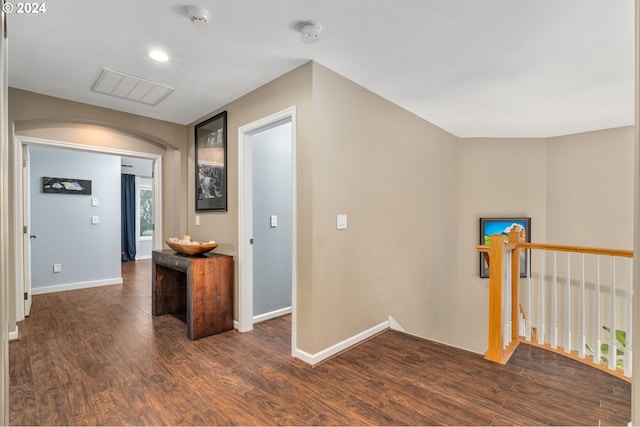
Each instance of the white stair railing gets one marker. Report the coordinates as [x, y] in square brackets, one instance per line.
[582, 296]
[607, 318]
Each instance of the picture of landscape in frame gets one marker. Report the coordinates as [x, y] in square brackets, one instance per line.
[491, 226]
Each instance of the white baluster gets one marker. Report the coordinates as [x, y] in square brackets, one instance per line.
[597, 355]
[527, 321]
[567, 308]
[506, 305]
[628, 352]
[554, 304]
[541, 301]
[582, 338]
[612, 319]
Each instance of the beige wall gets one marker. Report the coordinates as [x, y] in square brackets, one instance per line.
[51, 118]
[590, 186]
[499, 177]
[395, 176]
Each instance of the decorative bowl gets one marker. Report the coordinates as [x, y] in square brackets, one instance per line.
[191, 249]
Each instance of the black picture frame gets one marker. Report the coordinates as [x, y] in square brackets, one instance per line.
[211, 164]
[490, 226]
[66, 185]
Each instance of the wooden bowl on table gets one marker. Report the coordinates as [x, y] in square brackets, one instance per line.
[191, 249]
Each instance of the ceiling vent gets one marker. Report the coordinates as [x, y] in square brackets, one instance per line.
[126, 86]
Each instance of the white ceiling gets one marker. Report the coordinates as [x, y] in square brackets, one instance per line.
[476, 68]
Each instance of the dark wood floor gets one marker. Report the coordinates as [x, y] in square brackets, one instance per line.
[98, 357]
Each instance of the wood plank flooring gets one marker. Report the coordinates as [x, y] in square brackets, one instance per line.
[98, 357]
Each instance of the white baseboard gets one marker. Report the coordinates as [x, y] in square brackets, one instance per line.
[393, 324]
[140, 258]
[313, 359]
[14, 335]
[271, 315]
[74, 286]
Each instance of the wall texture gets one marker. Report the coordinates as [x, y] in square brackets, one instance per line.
[395, 176]
[88, 253]
[590, 186]
[499, 177]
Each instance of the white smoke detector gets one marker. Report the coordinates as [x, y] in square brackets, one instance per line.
[198, 15]
[310, 32]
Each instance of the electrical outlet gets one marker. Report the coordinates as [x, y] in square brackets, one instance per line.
[57, 268]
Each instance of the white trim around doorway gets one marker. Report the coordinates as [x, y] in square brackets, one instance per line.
[245, 212]
[18, 193]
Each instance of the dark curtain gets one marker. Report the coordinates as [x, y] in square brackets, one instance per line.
[128, 183]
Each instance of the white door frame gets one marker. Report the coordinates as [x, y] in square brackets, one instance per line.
[19, 201]
[245, 218]
[26, 237]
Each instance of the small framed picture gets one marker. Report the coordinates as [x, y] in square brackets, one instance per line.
[66, 185]
[491, 226]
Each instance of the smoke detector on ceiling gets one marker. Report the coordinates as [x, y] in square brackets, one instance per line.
[198, 15]
[310, 32]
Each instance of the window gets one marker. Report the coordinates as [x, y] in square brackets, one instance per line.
[146, 211]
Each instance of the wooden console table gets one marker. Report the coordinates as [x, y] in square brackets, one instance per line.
[200, 285]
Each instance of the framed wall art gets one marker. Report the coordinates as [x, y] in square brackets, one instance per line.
[490, 226]
[66, 185]
[211, 164]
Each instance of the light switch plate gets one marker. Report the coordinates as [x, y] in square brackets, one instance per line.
[341, 222]
[273, 221]
[95, 201]
[94, 219]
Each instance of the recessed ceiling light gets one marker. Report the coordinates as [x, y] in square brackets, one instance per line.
[158, 55]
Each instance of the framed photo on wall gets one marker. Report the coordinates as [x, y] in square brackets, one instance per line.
[211, 164]
[66, 185]
[491, 226]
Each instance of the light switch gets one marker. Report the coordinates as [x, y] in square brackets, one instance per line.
[197, 219]
[95, 201]
[341, 222]
[94, 219]
[273, 221]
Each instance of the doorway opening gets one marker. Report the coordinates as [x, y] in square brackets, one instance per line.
[250, 256]
[22, 203]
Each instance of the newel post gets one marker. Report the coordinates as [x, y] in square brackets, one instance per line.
[496, 253]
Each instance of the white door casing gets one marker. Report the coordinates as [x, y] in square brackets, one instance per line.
[245, 218]
[27, 232]
[21, 203]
